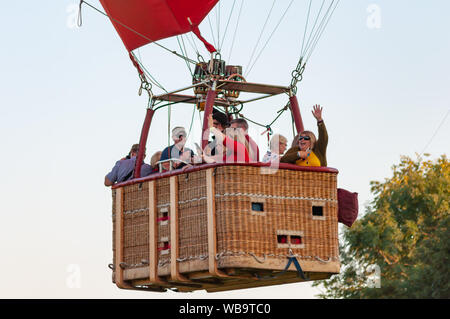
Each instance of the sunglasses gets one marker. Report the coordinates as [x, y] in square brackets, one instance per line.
[306, 138]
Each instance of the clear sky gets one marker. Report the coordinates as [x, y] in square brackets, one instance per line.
[69, 109]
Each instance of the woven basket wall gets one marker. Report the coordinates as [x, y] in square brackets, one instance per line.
[287, 197]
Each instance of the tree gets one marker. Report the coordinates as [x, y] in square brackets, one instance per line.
[403, 239]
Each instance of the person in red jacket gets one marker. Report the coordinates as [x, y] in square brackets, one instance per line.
[253, 148]
[233, 140]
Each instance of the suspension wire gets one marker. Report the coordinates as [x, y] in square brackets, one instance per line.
[260, 35]
[316, 34]
[306, 27]
[212, 32]
[184, 46]
[226, 27]
[147, 73]
[312, 30]
[184, 52]
[322, 28]
[192, 121]
[217, 11]
[273, 32]
[235, 30]
[139, 34]
[169, 113]
[192, 43]
[435, 133]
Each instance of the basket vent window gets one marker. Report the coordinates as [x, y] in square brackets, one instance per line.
[317, 210]
[282, 239]
[164, 216]
[165, 246]
[296, 240]
[257, 207]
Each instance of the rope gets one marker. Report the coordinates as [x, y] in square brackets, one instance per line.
[251, 121]
[137, 33]
[201, 257]
[80, 19]
[221, 255]
[289, 255]
[135, 211]
[267, 127]
[258, 260]
[237, 194]
[277, 197]
[322, 260]
[280, 112]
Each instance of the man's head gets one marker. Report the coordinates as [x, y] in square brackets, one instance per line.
[134, 150]
[220, 120]
[240, 123]
[179, 136]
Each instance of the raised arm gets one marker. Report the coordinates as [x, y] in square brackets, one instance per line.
[317, 112]
[322, 140]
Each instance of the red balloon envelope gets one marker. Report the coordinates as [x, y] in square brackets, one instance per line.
[139, 22]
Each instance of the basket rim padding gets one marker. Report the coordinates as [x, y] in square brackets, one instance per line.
[195, 168]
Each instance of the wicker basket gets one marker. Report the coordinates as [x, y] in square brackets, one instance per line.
[224, 227]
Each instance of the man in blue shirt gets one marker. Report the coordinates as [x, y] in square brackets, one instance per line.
[124, 169]
[177, 150]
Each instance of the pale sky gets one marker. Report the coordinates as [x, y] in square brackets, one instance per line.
[69, 109]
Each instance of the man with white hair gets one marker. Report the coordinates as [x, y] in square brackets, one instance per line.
[278, 145]
[177, 150]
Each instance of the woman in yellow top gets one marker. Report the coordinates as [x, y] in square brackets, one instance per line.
[306, 150]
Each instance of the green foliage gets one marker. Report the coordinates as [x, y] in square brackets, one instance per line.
[405, 232]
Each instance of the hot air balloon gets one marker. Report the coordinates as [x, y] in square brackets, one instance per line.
[218, 226]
